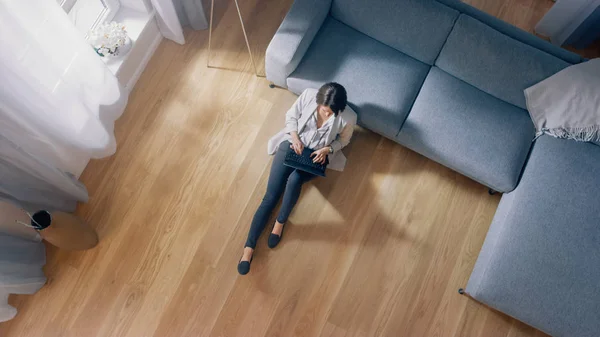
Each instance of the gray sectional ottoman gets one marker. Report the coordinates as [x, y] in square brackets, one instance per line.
[540, 262]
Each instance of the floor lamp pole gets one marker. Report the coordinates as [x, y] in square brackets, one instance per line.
[212, 9]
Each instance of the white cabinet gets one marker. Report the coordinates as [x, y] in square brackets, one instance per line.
[138, 16]
[145, 37]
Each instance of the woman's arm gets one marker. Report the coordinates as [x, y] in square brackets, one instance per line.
[343, 138]
[293, 115]
[291, 122]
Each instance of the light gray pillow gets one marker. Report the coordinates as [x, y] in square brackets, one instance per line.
[567, 104]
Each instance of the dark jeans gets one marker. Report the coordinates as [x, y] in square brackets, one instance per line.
[282, 180]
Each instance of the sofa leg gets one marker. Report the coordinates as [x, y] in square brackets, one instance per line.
[271, 85]
[492, 192]
[461, 291]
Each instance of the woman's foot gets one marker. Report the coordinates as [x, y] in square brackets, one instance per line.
[275, 235]
[245, 261]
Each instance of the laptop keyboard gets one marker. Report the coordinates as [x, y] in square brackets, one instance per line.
[305, 160]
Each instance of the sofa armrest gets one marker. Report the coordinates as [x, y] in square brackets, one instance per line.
[292, 39]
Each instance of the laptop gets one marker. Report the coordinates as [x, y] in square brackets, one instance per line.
[304, 162]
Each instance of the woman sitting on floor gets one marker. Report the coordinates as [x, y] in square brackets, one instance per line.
[319, 120]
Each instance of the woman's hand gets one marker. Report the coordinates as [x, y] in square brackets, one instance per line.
[320, 156]
[297, 145]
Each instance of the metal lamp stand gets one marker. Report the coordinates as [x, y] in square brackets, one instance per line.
[237, 6]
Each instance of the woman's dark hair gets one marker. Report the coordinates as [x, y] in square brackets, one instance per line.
[332, 95]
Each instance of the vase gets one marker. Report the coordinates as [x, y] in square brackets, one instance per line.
[123, 50]
[64, 230]
[119, 52]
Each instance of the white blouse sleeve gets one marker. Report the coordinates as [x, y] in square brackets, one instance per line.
[294, 113]
[344, 136]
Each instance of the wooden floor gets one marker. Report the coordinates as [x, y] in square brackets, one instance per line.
[379, 250]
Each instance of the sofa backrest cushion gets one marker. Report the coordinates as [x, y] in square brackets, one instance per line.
[417, 28]
[493, 62]
[512, 31]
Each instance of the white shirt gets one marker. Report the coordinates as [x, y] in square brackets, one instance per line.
[313, 137]
[299, 115]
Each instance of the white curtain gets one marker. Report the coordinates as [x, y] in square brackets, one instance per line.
[58, 104]
[173, 14]
[193, 13]
[168, 21]
[22, 257]
[58, 99]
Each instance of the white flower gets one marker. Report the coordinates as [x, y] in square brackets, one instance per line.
[106, 38]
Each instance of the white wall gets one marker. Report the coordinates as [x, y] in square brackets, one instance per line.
[564, 18]
[140, 5]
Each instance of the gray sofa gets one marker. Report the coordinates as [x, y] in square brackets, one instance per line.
[446, 80]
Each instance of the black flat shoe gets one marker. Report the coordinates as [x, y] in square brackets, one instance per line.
[244, 266]
[274, 238]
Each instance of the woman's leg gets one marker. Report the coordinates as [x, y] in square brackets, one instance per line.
[275, 188]
[292, 193]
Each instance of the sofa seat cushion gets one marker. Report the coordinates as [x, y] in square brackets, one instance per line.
[382, 83]
[493, 62]
[469, 131]
[417, 28]
[539, 262]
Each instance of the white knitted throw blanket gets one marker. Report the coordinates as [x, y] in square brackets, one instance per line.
[567, 104]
